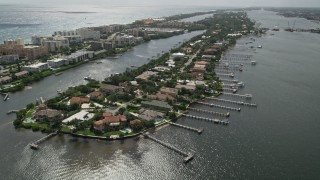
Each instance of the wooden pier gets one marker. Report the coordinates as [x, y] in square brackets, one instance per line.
[226, 75]
[230, 80]
[233, 102]
[216, 121]
[247, 96]
[219, 106]
[188, 156]
[199, 131]
[210, 112]
[6, 96]
[35, 145]
[230, 90]
[12, 111]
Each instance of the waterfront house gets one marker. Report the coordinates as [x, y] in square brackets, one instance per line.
[47, 115]
[160, 96]
[178, 55]
[109, 120]
[79, 100]
[201, 63]
[5, 79]
[147, 114]
[191, 88]
[158, 105]
[96, 95]
[207, 57]
[134, 122]
[198, 70]
[170, 91]
[161, 68]
[21, 74]
[146, 75]
[211, 51]
[187, 50]
[171, 63]
[110, 89]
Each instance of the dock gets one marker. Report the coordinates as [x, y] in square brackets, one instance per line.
[188, 156]
[6, 96]
[230, 80]
[219, 106]
[199, 131]
[12, 111]
[233, 102]
[230, 90]
[210, 112]
[247, 96]
[226, 75]
[216, 121]
[35, 145]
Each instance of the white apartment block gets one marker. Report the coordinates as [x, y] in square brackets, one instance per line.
[36, 67]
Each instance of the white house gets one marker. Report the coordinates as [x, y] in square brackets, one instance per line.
[174, 55]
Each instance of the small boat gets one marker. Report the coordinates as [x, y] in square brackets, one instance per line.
[260, 46]
[275, 28]
[253, 62]
[59, 91]
[99, 62]
[240, 84]
[57, 74]
[116, 73]
[88, 78]
[240, 69]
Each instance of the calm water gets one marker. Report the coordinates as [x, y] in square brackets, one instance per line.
[277, 140]
[23, 21]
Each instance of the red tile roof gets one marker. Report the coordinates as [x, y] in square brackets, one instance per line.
[79, 100]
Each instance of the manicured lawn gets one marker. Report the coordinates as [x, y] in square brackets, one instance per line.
[86, 132]
[30, 112]
[66, 129]
[108, 134]
[40, 125]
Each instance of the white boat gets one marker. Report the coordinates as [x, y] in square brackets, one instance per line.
[260, 46]
[88, 78]
[253, 62]
[240, 84]
[59, 91]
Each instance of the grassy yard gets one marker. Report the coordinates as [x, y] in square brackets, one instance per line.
[86, 132]
[108, 134]
[30, 113]
[66, 129]
[35, 125]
